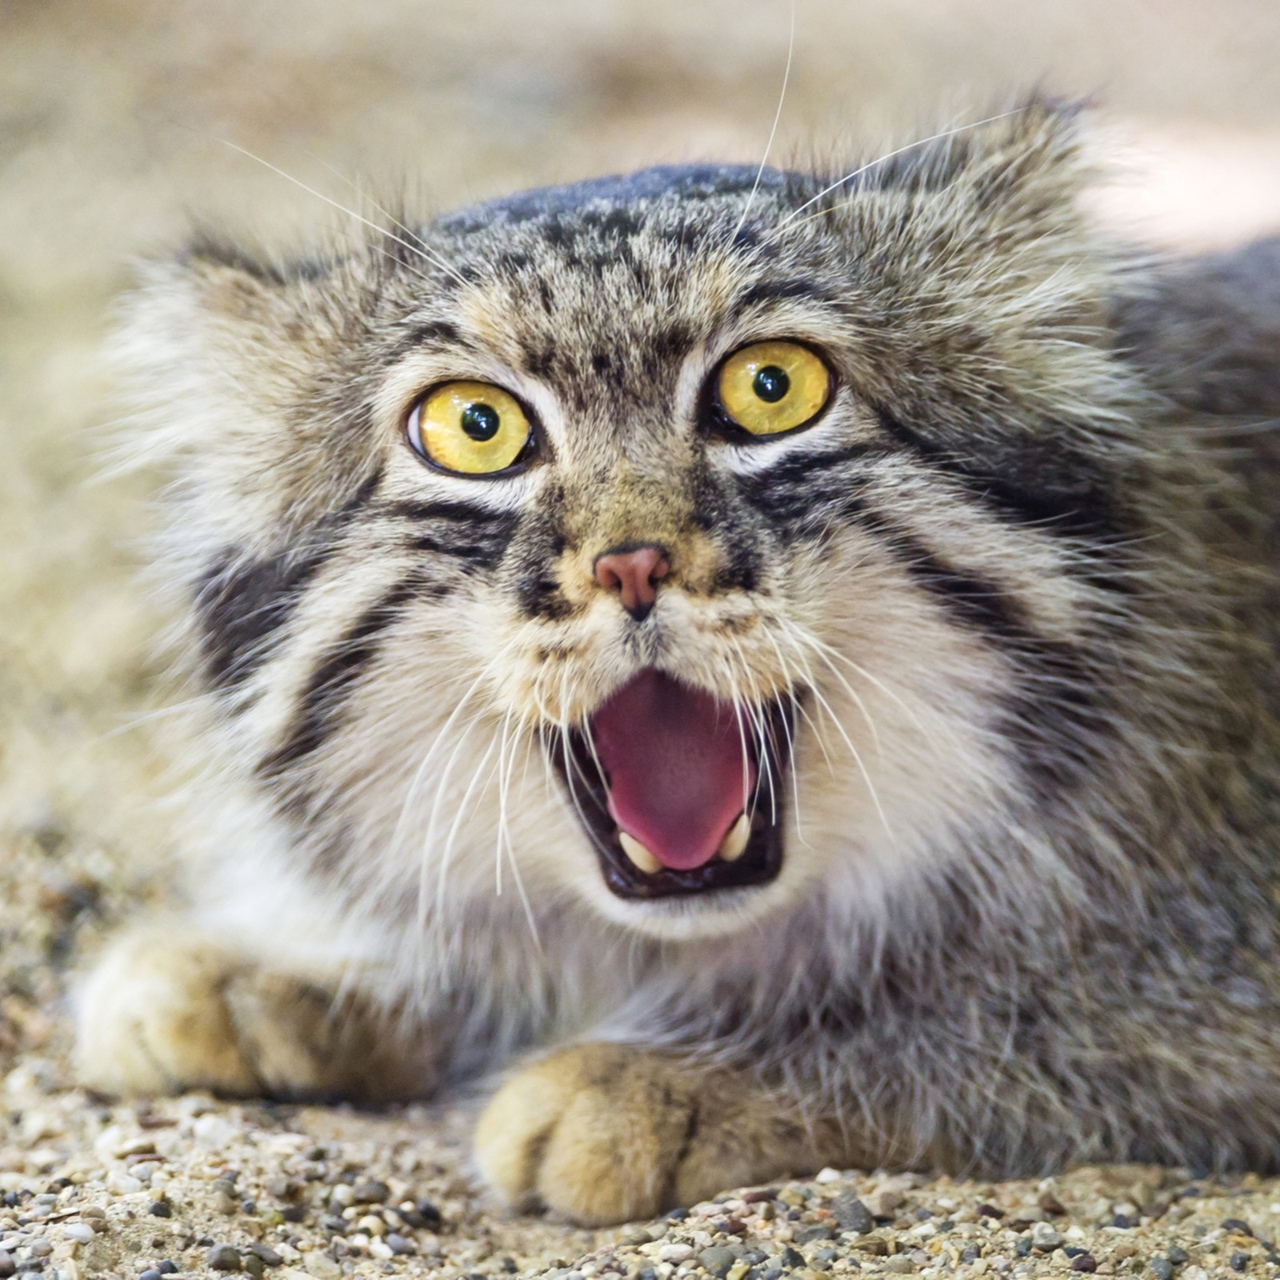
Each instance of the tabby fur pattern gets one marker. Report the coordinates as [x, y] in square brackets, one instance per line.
[1015, 593]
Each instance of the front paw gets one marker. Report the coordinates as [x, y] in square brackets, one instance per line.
[603, 1133]
[168, 1010]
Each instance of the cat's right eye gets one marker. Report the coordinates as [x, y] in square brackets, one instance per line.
[470, 428]
[772, 387]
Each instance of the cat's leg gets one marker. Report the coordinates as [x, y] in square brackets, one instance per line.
[607, 1133]
[169, 1008]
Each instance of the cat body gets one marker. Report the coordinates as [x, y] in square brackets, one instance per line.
[993, 631]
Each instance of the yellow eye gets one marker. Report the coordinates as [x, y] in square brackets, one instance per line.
[473, 428]
[770, 387]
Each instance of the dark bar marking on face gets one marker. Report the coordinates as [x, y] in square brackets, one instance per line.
[320, 706]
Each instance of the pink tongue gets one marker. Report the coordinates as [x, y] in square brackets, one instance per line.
[673, 757]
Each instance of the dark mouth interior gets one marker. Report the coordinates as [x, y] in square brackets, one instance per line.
[760, 861]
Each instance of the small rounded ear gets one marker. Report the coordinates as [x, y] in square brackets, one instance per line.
[248, 388]
[235, 281]
[1028, 158]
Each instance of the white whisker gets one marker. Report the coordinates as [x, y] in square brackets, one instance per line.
[421, 250]
[889, 155]
[777, 116]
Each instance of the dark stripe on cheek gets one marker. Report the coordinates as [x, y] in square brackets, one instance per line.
[806, 494]
[974, 602]
[241, 607]
[241, 604]
[320, 706]
[456, 530]
[1045, 483]
[1056, 709]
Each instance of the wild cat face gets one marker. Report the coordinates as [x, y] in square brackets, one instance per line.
[692, 548]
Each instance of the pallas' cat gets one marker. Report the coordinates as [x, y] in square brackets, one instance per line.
[785, 671]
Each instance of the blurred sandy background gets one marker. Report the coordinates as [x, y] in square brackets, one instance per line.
[113, 120]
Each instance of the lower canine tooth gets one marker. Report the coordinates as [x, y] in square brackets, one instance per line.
[644, 860]
[734, 844]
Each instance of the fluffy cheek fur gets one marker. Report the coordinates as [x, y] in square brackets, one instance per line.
[465, 802]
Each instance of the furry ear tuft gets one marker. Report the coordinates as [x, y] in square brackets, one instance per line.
[1027, 159]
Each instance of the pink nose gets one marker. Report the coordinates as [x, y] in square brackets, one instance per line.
[633, 572]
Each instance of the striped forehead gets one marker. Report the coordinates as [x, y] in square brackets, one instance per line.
[604, 300]
[578, 329]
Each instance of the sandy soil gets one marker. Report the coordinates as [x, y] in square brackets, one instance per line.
[119, 121]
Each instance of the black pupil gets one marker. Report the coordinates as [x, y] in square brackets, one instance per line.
[481, 421]
[771, 384]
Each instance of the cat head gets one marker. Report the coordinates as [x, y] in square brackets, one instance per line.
[687, 545]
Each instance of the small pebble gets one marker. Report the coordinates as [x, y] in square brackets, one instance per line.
[717, 1260]
[1084, 1262]
[371, 1192]
[323, 1267]
[253, 1264]
[269, 1256]
[1177, 1255]
[1161, 1268]
[80, 1231]
[223, 1257]
[151, 1274]
[427, 1215]
[852, 1214]
[882, 1203]
[676, 1253]
[819, 1232]
[1237, 1224]
[1044, 1237]
[160, 1209]
[1239, 1262]
[397, 1243]
[168, 1267]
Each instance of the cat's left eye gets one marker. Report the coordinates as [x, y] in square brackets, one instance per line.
[472, 428]
[770, 387]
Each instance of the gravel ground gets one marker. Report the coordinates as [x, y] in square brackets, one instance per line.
[112, 119]
[91, 1188]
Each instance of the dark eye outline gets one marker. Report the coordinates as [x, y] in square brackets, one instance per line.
[714, 417]
[528, 454]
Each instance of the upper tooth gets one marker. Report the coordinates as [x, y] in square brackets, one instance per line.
[734, 844]
[638, 854]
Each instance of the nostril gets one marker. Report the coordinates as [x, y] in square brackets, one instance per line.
[634, 572]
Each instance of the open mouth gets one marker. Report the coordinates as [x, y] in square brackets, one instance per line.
[679, 793]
